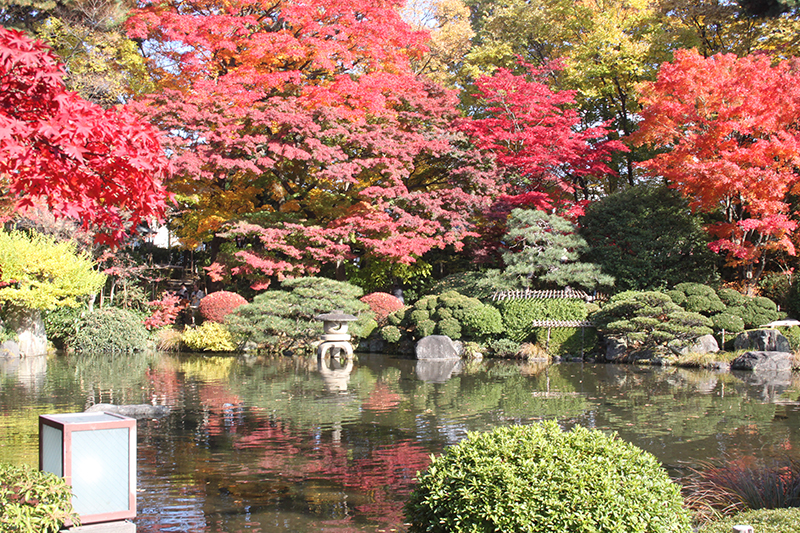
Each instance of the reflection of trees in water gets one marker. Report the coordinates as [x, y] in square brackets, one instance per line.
[112, 378]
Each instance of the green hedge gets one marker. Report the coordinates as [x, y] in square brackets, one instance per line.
[567, 341]
[108, 330]
[519, 314]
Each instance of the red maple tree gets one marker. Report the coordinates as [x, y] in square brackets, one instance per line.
[536, 135]
[729, 127]
[301, 134]
[102, 167]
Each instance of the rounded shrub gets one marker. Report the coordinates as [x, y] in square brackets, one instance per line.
[390, 334]
[109, 330]
[449, 327]
[484, 321]
[382, 304]
[540, 479]
[217, 305]
[31, 500]
[209, 337]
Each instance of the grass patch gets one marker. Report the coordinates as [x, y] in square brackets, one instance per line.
[762, 520]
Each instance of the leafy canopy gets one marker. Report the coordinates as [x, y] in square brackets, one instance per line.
[102, 167]
[729, 148]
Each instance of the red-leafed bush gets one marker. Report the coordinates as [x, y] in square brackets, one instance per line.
[382, 304]
[165, 311]
[217, 305]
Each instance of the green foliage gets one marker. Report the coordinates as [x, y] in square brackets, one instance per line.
[647, 319]
[567, 341]
[762, 520]
[697, 298]
[44, 274]
[756, 311]
[62, 322]
[540, 479]
[480, 285]
[33, 501]
[451, 314]
[648, 239]
[731, 297]
[503, 347]
[776, 286]
[390, 334]
[279, 320]
[729, 322]
[519, 313]
[545, 253]
[109, 329]
[792, 334]
[208, 337]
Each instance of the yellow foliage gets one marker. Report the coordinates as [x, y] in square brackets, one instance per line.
[43, 273]
[209, 337]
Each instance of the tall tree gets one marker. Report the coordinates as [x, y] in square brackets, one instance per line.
[102, 64]
[535, 135]
[607, 47]
[729, 148]
[102, 167]
[299, 131]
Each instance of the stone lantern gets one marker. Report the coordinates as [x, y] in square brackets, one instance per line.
[335, 336]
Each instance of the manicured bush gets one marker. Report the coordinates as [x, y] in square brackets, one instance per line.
[208, 337]
[390, 334]
[648, 239]
[567, 341]
[540, 479]
[451, 314]
[108, 330]
[519, 314]
[280, 320]
[62, 322]
[217, 305]
[762, 521]
[755, 312]
[32, 501]
[503, 347]
[648, 319]
[382, 304]
[731, 297]
[792, 334]
[697, 298]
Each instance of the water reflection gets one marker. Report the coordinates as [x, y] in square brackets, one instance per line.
[292, 444]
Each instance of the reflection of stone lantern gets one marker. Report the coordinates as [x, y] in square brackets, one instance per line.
[335, 336]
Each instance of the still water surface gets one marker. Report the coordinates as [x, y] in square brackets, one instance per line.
[271, 445]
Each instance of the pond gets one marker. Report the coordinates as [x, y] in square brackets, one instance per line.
[284, 444]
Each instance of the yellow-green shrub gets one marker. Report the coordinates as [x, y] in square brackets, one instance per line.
[209, 337]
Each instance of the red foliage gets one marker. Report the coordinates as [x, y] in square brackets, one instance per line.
[731, 128]
[101, 167]
[165, 311]
[217, 305]
[536, 137]
[382, 304]
[304, 120]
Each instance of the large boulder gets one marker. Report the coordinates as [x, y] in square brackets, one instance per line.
[762, 340]
[616, 349]
[437, 347]
[763, 361]
[437, 370]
